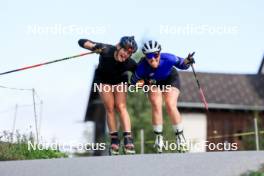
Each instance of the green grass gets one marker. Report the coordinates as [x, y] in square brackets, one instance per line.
[19, 149]
[259, 172]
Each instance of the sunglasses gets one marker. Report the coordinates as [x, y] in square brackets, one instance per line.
[129, 50]
[152, 55]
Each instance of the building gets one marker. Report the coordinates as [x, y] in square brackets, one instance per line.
[234, 101]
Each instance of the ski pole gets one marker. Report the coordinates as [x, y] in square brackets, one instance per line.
[199, 86]
[46, 63]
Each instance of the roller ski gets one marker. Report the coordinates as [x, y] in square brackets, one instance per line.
[159, 143]
[115, 144]
[129, 148]
[181, 143]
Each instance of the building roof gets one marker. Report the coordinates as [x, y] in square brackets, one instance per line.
[223, 91]
[261, 68]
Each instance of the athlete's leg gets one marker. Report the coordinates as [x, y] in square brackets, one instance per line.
[155, 98]
[107, 96]
[171, 97]
[120, 105]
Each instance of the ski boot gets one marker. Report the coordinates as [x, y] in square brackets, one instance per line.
[181, 143]
[129, 148]
[159, 143]
[115, 143]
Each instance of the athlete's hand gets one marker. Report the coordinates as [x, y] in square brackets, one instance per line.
[189, 59]
[140, 83]
[98, 47]
[152, 81]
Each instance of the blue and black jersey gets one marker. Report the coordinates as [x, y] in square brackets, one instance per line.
[164, 70]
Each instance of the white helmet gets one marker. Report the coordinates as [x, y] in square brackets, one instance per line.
[151, 46]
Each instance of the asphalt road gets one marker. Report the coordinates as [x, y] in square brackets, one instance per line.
[213, 164]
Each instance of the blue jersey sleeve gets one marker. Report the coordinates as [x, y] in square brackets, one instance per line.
[177, 62]
[139, 73]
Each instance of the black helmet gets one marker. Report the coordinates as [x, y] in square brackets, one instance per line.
[128, 43]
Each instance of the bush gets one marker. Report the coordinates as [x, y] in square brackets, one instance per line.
[17, 149]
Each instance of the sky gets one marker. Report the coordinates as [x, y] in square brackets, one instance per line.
[227, 37]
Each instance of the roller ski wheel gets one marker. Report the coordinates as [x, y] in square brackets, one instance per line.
[114, 150]
[129, 148]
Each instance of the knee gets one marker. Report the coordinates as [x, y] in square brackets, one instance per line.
[110, 109]
[120, 107]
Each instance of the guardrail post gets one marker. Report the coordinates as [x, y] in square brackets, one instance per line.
[142, 141]
[256, 130]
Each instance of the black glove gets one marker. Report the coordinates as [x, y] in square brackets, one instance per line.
[98, 47]
[189, 59]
